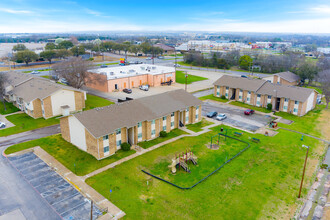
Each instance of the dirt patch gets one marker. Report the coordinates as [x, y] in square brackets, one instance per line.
[106, 58]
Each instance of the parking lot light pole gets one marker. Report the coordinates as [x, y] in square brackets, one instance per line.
[302, 179]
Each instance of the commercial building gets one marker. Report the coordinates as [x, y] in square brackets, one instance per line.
[101, 131]
[285, 78]
[260, 93]
[39, 97]
[118, 78]
[167, 49]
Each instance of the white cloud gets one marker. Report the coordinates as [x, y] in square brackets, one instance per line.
[92, 12]
[323, 9]
[12, 11]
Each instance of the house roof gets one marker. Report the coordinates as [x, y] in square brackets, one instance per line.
[284, 91]
[164, 46]
[105, 120]
[288, 76]
[30, 87]
[263, 87]
[239, 82]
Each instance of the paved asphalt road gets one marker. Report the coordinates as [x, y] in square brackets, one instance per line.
[236, 117]
[17, 197]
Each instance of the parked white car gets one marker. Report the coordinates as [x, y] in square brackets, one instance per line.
[144, 87]
[221, 117]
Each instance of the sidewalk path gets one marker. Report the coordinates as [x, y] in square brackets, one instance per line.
[308, 135]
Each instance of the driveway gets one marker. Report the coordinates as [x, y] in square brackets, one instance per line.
[236, 117]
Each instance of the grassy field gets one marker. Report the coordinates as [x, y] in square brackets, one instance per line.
[113, 63]
[180, 78]
[42, 70]
[93, 101]
[10, 108]
[262, 183]
[171, 134]
[23, 122]
[212, 97]
[199, 125]
[308, 123]
[69, 155]
[241, 104]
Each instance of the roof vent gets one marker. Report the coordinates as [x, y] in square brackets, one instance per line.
[112, 73]
[153, 67]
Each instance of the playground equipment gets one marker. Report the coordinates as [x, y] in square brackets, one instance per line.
[182, 160]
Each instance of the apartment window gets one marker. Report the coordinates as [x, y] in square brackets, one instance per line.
[172, 123]
[140, 135]
[139, 124]
[106, 149]
[296, 102]
[187, 119]
[218, 87]
[295, 110]
[164, 118]
[226, 94]
[153, 132]
[286, 99]
[187, 109]
[249, 92]
[118, 131]
[164, 128]
[285, 107]
[248, 99]
[258, 102]
[196, 116]
[269, 97]
[106, 137]
[118, 143]
[172, 114]
[218, 93]
[227, 87]
[241, 90]
[258, 95]
[153, 122]
[240, 97]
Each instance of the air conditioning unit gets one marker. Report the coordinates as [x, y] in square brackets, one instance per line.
[112, 73]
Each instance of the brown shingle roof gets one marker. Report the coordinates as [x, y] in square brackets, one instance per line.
[15, 78]
[105, 120]
[284, 91]
[288, 76]
[239, 83]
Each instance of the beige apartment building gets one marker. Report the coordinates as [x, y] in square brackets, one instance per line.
[39, 97]
[292, 99]
[101, 131]
[284, 78]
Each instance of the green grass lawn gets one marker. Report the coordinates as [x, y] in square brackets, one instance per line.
[307, 124]
[174, 133]
[113, 63]
[68, 154]
[262, 183]
[42, 70]
[244, 105]
[10, 108]
[180, 78]
[314, 87]
[93, 101]
[212, 97]
[24, 122]
[199, 125]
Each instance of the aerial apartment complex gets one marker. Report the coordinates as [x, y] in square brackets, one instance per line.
[260, 93]
[101, 131]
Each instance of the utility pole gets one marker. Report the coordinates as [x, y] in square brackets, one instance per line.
[302, 178]
[91, 209]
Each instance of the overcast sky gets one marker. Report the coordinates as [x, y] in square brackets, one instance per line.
[286, 16]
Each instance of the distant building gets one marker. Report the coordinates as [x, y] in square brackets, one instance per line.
[285, 78]
[39, 97]
[101, 131]
[118, 78]
[167, 49]
[292, 99]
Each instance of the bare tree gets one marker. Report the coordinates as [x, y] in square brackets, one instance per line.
[3, 79]
[324, 79]
[74, 70]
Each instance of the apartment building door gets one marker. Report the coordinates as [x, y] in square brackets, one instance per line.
[130, 135]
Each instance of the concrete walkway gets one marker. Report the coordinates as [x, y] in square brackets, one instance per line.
[308, 135]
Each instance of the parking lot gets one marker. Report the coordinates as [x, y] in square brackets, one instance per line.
[59, 194]
[236, 117]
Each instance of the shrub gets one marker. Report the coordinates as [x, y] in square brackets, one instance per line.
[324, 166]
[269, 106]
[91, 59]
[163, 134]
[223, 97]
[125, 146]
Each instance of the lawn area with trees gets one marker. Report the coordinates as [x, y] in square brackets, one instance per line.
[180, 77]
[171, 134]
[10, 108]
[76, 160]
[262, 183]
[212, 97]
